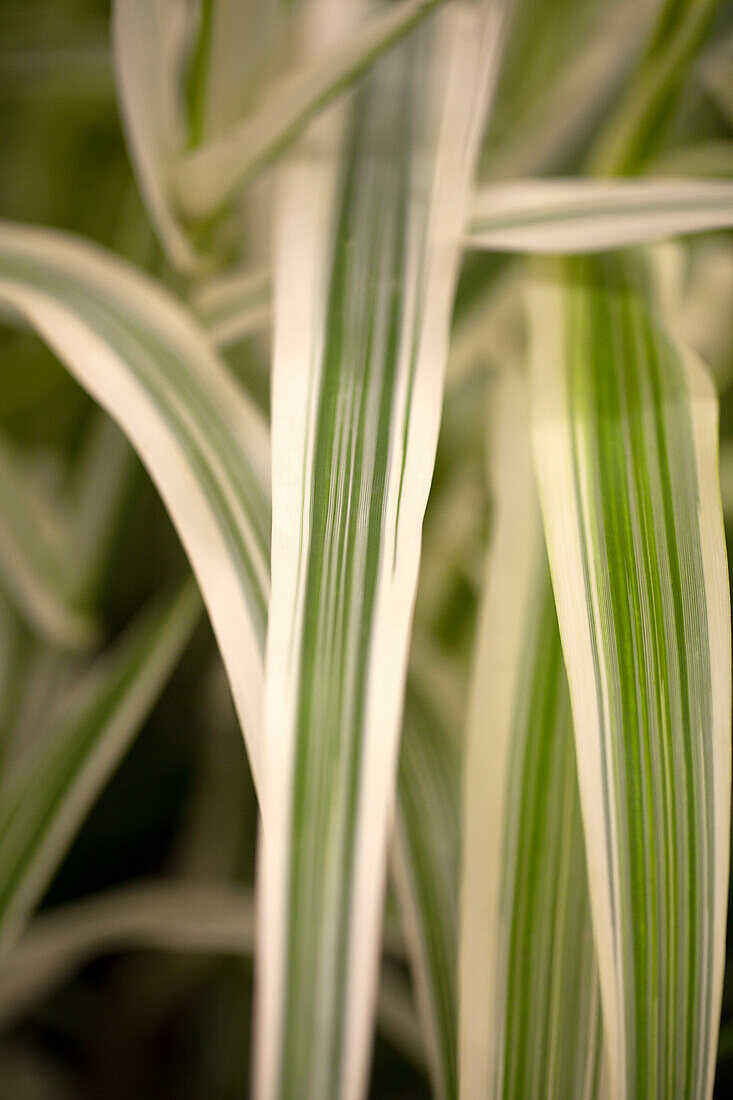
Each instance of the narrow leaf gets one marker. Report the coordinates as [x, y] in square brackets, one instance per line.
[582, 215]
[625, 433]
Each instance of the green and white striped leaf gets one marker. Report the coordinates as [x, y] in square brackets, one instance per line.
[207, 176]
[625, 434]
[583, 215]
[139, 354]
[529, 1020]
[46, 797]
[36, 569]
[425, 859]
[365, 268]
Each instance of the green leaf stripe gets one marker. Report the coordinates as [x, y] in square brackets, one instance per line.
[208, 175]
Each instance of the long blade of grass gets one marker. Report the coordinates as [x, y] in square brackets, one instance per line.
[529, 1017]
[625, 433]
[207, 176]
[363, 285]
[48, 795]
[205, 445]
[582, 215]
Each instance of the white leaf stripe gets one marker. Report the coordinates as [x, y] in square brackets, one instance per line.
[582, 215]
[206, 447]
[425, 867]
[529, 1020]
[207, 176]
[363, 297]
[626, 451]
[48, 796]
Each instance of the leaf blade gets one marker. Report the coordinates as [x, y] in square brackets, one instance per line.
[582, 215]
[354, 435]
[529, 1017]
[626, 456]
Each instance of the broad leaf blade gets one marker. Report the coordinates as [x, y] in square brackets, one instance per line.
[583, 215]
[529, 1003]
[48, 795]
[625, 431]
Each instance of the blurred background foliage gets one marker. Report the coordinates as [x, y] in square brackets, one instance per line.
[148, 1024]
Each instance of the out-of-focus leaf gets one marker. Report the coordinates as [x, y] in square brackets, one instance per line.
[47, 796]
[580, 215]
[149, 43]
[234, 306]
[37, 569]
